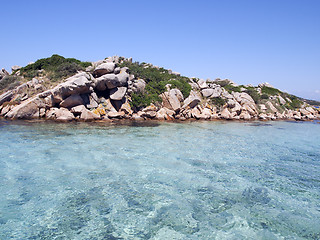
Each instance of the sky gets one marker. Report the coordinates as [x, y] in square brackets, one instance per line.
[247, 41]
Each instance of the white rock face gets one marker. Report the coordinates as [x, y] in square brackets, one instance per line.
[118, 93]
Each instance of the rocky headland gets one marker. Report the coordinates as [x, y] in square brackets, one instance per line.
[66, 89]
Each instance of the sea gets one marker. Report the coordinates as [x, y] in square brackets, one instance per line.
[160, 180]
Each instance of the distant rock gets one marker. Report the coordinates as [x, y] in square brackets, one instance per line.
[3, 73]
[103, 69]
[15, 68]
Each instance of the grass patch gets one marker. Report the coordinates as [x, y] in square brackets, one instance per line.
[56, 67]
[156, 80]
[270, 91]
[230, 88]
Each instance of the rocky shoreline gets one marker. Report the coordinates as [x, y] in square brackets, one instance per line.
[105, 92]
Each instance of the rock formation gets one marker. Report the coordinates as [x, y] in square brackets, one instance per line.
[108, 90]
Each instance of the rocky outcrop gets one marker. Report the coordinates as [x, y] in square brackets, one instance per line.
[3, 73]
[172, 99]
[106, 92]
[6, 97]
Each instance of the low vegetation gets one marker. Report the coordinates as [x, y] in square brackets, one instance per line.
[156, 80]
[55, 67]
[9, 82]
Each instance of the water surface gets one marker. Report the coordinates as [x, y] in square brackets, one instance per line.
[199, 180]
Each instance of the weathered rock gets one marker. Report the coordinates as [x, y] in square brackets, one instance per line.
[106, 81]
[202, 84]
[6, 109]
[165, 114]
[172, 99]
[77, 84]
[3, 73]
[243, 98]
[192, 100]
[151, 107]
[87, 115]
[118, 93]
[63, 114]
[207, 92]
[109, 81]
[217, 91]
[117, 70]
[262, 116]
[27, 109]
[6, 97]
[139, 85]
[103, 69]
[78, 109]
[137, 117]
[126, 108]
[71, 101]
[311, 110]
[281, 100]
[123, 78]
[15, 68]
[116, 114]
[206, 113]
[304, 112]
[272, 108]
[245, 115]
[100, 110]
[225, 114]
[195, 113]
[149, 114]
[263, 107]
[59, 114]
[226, 95]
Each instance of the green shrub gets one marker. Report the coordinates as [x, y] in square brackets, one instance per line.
[222, 83]
[230, 88]
[254, 94]
[218, 101]
[56, 65]
[264, 96]
[156, 80]
[270, 91]
[9, 82]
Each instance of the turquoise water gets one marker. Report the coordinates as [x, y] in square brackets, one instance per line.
[199, 180]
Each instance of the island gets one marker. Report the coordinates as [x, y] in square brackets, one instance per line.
[66, 89]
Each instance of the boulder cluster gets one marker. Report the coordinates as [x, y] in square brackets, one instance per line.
[103, 92]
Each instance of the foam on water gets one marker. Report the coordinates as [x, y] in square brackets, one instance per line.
[200, 180]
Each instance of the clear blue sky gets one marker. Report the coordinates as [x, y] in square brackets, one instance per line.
[247, 41]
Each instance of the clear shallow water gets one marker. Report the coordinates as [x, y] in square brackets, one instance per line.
[200, 180]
